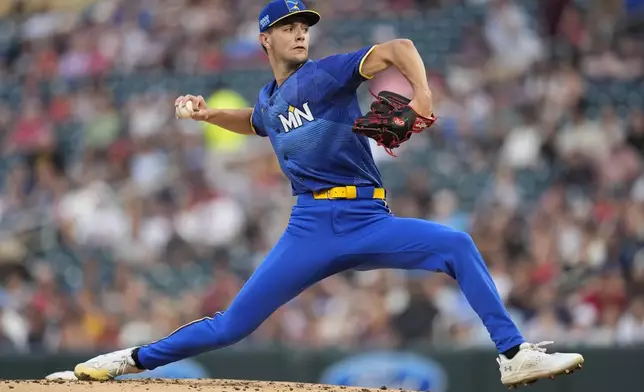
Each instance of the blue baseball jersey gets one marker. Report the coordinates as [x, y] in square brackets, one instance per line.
[308, 120]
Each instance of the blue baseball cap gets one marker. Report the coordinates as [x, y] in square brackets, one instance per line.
[278, 10]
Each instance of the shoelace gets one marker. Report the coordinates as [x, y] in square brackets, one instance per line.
[539, 346]
[123, 364]
[534, 347]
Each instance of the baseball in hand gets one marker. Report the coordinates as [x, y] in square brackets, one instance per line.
[184, 110]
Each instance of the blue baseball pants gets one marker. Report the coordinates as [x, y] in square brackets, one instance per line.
[324, 237]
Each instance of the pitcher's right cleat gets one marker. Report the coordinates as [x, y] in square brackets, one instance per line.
[532, 363]
[106, 367]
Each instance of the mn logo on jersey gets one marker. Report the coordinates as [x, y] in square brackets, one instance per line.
[295, 117]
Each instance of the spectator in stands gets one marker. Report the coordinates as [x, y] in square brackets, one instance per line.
[538, 153]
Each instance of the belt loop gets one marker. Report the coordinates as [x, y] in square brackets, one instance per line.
[352, 192]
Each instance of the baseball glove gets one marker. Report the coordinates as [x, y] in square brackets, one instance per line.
[391, 121]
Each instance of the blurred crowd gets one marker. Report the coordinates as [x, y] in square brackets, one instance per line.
[119, 223]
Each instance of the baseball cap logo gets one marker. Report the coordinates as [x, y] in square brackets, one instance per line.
[292, 5]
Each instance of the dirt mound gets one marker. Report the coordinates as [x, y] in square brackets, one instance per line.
[170, 386]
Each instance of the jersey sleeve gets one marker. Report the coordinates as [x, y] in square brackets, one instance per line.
[256, 122]
[346, 68]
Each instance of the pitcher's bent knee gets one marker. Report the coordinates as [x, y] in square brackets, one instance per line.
[462, 243]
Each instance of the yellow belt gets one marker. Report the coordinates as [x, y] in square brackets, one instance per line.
[345, 192]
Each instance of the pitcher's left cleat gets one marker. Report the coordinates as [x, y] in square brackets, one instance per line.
[532, 363]
[106, 367]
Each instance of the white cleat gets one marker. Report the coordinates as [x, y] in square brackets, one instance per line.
[532, 364]
[106, 367]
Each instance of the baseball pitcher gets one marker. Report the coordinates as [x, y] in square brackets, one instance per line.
[309, 112]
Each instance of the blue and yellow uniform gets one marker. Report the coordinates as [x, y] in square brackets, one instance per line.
[340, 220]
[308, 120]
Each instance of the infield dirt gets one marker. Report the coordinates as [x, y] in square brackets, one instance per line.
[170, 386]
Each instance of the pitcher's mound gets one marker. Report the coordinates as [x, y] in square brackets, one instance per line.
[171, 386]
